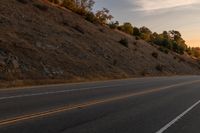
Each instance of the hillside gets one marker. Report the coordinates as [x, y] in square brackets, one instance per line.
[43, 43]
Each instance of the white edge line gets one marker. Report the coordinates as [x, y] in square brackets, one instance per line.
[163, 129]
[88, 88]
[87, 82]
[55, 92]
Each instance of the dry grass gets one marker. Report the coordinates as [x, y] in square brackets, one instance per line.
[56, 46]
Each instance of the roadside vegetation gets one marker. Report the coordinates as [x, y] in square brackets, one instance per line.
[168, 40]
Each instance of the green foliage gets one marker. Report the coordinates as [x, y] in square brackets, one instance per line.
[113, 25]
[78, 6]
[84, 8]
[136, 31]
[145, 33]
[91, 17]
[171, 40]
[124, 42]
[69, 4]
[127, 28]
[103, 16]
[164, 50]
[168, 40]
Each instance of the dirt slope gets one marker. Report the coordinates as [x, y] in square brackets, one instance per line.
[39, 41]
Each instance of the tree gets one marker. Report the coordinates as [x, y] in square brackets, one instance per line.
[166, 35]
[103, 16]
[145, 33]
[114, 25]
[145, 30]
[127, 28]
[81, 7]
[136, 31]
[84, 5]
[175, 35]
[70, 4]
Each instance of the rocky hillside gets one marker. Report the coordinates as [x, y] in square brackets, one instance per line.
[41, 42]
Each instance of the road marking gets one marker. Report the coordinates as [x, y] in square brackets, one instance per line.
[163, 129]
[63, 84]
[67, 108]
[22, 118]
[83, 89]
[83, 82]
[56, 92]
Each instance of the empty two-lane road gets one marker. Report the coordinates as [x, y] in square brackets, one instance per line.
[143, 105]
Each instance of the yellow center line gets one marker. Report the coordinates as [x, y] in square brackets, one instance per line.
[22, 118]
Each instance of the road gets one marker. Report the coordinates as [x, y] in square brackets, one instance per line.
[142, 105]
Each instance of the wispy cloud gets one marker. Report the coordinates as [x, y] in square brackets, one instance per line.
[150, 5]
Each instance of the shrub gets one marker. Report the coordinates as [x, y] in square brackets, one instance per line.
[65, 23]
[103, 16]
[136, 31]
[159, 67]
[113, 25]
[54, 1]
[41, 7]
[124, 42]
[164, 50]
[127, 28]
[155, 55]
[137, 38]
[102, 30]
[115, 62]
[144, 72]
[23, 1]
[175, 57]
[91, 17]
[134, 43]
[79, 29]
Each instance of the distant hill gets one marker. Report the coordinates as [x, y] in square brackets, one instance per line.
[41, 43]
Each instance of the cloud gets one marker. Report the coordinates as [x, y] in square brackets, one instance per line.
[150, 5]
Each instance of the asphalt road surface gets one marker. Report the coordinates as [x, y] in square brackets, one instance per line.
[143, 105]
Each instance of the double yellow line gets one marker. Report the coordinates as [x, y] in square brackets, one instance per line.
[22, 118]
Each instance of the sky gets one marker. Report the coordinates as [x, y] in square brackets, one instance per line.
[159, 15]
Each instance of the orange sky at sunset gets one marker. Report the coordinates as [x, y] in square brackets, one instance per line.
[193, 43]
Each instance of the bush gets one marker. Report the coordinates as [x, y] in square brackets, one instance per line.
[159, 67]
[113, 25]
[144, 72]
[137, 38]
[41, 7]
[115, 62]
[103, 16]
[134, 43]
[175, 57]
[102, 30]
[155, 55]
[91, 17]
[127, 28]
[54, 1]
[124, 42]
[23, 1]
[79, 29]
[164, 50]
